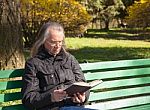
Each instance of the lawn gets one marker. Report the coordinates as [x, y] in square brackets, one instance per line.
[115, 44]
[110, 45]
[98, 49]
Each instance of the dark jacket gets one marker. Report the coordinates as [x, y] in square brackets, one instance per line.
[45, 73]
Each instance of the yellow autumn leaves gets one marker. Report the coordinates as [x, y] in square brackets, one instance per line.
[68, 12]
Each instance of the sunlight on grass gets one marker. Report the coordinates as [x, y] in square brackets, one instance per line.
[127, 34]
[76, 43]
[100, 49]
[106, 33]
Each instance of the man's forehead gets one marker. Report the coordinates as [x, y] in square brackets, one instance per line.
[57, 38]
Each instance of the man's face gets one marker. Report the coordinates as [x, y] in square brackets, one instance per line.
[54, 43]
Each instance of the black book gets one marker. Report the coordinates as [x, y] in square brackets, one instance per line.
[81, 87]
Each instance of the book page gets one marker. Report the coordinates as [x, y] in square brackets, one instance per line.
[82, 83]
[95, 82]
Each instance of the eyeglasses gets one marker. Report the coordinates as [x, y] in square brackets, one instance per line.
[54, 43]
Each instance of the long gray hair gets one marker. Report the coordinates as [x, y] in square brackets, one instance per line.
[43, 34]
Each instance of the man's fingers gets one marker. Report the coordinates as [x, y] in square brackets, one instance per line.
[76, 99]
[79, 98]
[59, 95]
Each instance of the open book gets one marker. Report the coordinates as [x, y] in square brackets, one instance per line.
[81, 87]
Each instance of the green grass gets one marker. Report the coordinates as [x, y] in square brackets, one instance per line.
[114, 44]
[99, 49]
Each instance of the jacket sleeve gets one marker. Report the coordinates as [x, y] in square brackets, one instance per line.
[79, 76]
[32, 98]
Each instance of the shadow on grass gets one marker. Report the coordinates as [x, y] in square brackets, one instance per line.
[127, 30]
[90, 54]
[125, 34]
[96, 54]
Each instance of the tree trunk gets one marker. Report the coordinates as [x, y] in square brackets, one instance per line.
[11, 43]
[106, 24]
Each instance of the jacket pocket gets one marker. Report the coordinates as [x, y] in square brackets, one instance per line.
[67, 70]
[47, 77]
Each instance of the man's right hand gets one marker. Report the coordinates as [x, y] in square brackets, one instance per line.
[58, 95]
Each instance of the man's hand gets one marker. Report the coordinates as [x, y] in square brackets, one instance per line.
[58, 95]
[79, 98]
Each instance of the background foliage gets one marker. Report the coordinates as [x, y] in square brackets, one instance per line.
[72, 15]
[139, 14]
[105, 10]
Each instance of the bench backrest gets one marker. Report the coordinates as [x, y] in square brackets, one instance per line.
[10, 87]
[124, 82]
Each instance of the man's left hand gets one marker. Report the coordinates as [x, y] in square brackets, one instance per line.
[79, 98]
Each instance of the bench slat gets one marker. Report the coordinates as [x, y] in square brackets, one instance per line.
[10, 97]
[123, 83]
[121, 103]
[142, 107]
[11, 73]
[115, 64]
[117, 73]
[10, 85]
[13, 107]
[119, 93]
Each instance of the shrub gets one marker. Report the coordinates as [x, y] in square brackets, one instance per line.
[72, 15]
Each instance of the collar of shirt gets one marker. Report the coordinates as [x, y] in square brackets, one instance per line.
[43, 54]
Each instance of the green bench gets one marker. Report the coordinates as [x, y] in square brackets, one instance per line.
[126, 85]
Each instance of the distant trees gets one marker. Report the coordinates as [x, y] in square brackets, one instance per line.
[139, 14]
[123, 13]
[105, 10]
[128, 2]
[11, 44]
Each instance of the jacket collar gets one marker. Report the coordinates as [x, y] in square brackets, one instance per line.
[43, 54]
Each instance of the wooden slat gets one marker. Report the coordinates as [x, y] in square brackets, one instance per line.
[142, 107]
[13, 107]
[123, 83]
[117, 73]
[121, 103]
[10, 97]
[119, 93]
[10, 85]
[11, 73]
[115, 64]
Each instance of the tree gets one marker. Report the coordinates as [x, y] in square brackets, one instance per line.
[139, 15]
[128, 2]
[123, 13]
[11, 45]
[70, 13]
[105, 10]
